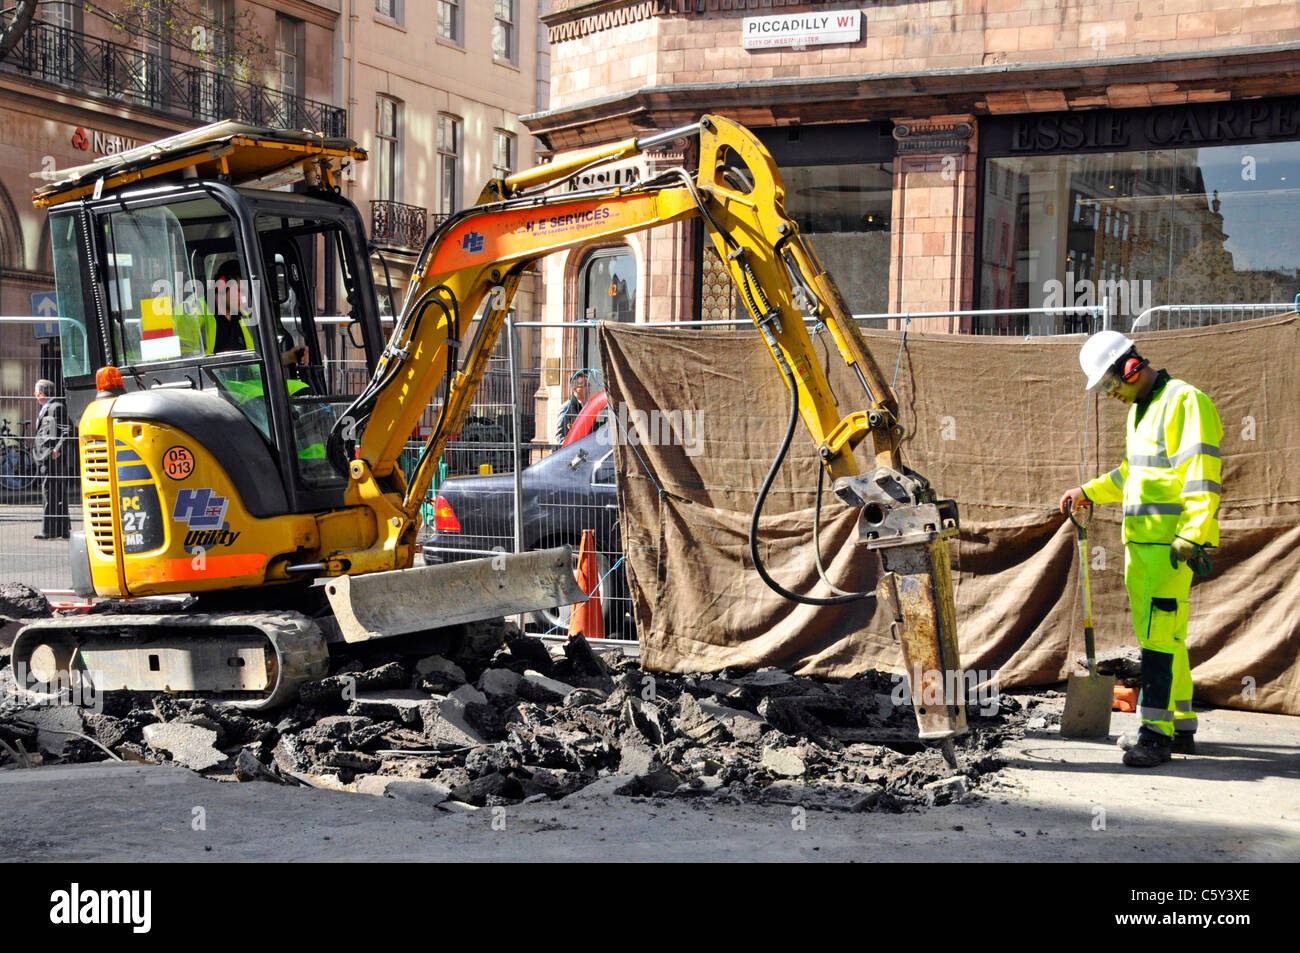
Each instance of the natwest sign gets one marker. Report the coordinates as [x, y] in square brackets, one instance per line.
[803, 29]
[100, 143]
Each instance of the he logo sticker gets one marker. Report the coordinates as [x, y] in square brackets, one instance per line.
[204, 513]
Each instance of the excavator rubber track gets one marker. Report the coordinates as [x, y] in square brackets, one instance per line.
[252, 660]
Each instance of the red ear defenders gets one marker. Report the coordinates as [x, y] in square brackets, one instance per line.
[1132, 367]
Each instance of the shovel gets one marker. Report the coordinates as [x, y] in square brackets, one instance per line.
[1088, 698]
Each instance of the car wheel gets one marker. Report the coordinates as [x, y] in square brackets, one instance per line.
[556, 619]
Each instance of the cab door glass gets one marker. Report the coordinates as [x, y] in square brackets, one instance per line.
[306, 262]
[160, 307]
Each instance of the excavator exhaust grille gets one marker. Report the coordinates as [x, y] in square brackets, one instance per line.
[95, 461]
[99, 517]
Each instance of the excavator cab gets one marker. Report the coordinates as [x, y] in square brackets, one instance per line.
[261, 298]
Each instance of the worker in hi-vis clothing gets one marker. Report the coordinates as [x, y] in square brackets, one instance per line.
[1169, 484]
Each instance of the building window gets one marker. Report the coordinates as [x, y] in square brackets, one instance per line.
[448, 164]
[286, 54]
[606, 292]
[58, 62]
[844, 212]
[59, 14]
[389, 8]
[503, 154]
[214, 48]
[388, 151]
[288, 76]
[1139, 229]
[148, 64]
[449, 25]
[503, 31]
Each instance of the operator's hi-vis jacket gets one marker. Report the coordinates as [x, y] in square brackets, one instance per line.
[1169, 481]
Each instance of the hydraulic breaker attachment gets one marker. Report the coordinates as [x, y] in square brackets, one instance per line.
[910, 528]
[384, 604]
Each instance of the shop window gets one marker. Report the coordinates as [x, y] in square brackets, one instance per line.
[844, 212]
[1144, 228]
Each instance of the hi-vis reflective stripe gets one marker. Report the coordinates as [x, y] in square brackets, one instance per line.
[1117, 477]
[1155, 714]
[1159, 460]
[1202, 486]
[1153, 509]
[1183, 705]
[1208, 449]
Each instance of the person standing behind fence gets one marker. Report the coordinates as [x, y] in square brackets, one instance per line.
[573, 406]
[52, 457]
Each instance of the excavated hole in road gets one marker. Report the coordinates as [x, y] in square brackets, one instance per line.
[530, 724]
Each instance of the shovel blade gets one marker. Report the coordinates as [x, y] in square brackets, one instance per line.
[1088, 703]
[386, 604]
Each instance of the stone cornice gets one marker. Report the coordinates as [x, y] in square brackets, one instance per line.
[578, 18]
[310, 12]
[1244, 73]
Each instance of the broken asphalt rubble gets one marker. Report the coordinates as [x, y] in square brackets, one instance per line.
[530, 725]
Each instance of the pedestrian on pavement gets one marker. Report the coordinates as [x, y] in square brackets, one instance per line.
[1170, 485]
[578, 393]
[51, 454]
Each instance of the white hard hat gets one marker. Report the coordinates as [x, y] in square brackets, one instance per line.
[1100, 351]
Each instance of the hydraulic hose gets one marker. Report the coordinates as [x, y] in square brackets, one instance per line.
[762, 497]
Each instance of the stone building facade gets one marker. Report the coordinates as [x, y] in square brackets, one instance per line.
[75, 89]
[434, 90]
[960, 154]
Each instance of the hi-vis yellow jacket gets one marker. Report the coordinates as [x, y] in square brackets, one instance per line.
[1169, 481]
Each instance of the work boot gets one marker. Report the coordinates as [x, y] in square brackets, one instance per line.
[1184, 742]
[1152, 748]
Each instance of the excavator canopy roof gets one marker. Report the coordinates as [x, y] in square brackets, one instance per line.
[235, 151]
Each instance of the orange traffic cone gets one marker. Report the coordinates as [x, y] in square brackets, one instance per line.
[587, 618]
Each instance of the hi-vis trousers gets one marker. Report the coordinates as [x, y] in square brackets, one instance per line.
[1157, 595]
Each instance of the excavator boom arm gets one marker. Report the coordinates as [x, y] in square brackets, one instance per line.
[480, 254]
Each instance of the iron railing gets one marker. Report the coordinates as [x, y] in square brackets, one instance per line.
[395, 224]
[152, 80]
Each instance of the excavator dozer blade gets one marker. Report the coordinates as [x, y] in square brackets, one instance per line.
[385, 604]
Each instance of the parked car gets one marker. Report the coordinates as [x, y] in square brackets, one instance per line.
[571, 490]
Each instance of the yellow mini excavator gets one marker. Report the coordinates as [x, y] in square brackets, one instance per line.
[225, 454]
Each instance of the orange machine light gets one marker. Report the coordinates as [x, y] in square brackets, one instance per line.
[109, 379]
